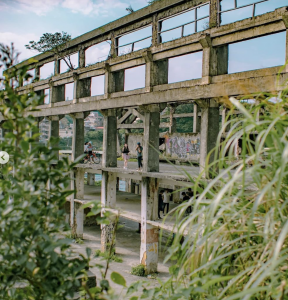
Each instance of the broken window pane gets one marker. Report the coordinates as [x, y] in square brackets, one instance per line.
[236, 15]
[47, 70]
[245, 9]
[97, 53]
[185, 67]
[265, 7]
[134, 78]
[258, 53]
[97, 85]
[69, 87]
[196, 19]
[129, 42]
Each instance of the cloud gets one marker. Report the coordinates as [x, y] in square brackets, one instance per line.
[35, 6]
[87, 7]
[19, 40]
[42, 7]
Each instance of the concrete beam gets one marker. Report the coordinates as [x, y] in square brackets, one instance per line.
[238, 84]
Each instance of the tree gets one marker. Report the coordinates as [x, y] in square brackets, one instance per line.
[55, 43]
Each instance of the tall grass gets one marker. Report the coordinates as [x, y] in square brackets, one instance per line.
[236, 242]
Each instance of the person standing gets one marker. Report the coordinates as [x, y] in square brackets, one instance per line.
[190, 193]
[125, 155]
[166, 197]
[139, 150]
[160, 204]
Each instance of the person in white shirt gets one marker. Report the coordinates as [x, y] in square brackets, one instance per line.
[166, 197]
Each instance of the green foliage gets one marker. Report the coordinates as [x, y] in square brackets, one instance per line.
[105, 255]
[138, 270]
[33, 190]
[55, 43]
[184, 125]
[235, 244]
[118, 279]
[96, 137]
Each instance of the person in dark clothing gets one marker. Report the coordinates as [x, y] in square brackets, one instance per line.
[160, 203]
[139, 150]
[186, 198]
[190, 193]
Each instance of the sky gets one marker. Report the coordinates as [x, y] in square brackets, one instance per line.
[24, 20]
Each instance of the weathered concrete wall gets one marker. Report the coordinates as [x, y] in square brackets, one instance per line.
[133, 139]
[183, 146]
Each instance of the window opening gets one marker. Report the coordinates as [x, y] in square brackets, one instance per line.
[257, 53]
[97, 85]
[74, 60]
[185, 67]
[133, 41]
[47, 70]
[183, 24]
[97, 53]
[134, 78]
[235, 10]
[69, 87]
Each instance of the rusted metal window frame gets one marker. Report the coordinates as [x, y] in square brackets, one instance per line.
[132, 43]
[238, 7]
[183, 25]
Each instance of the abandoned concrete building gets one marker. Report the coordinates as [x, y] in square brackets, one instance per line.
[209, 33]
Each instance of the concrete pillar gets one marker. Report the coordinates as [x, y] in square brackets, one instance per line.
[79, 183]
[213, 20]
[90, 179]
[151, 138]
[172, 120]
[57, 67]
[113, 50]
[287, 49]
[154, 30]
[78, 135]
[79, 220]
[285, 20]
[196, 119]
[81, 58]
[215, 59]
[82, 88]
[37, 72]
[209, 131]
[116, 82]
[109, 157]
[57, 93]
[108, 200]
[54, 131]
[149, 234]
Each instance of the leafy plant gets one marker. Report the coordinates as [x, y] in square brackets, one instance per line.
[138, 270]
[56, 43]
[35, 262]
[105, 255]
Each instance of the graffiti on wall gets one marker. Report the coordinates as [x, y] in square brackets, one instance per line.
[183, 147]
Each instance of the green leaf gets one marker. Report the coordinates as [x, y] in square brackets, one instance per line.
[118, 279]
[24, 145]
